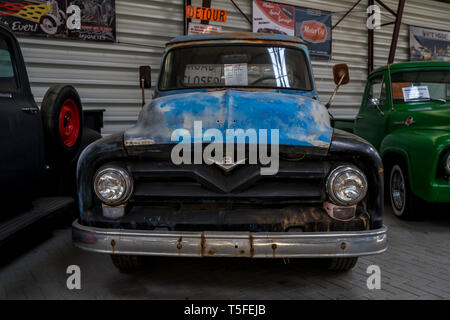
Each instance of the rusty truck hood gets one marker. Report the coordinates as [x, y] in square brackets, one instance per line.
[300, 120]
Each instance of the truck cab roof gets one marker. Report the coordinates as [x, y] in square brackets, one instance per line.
[414, 64]
[236, 36]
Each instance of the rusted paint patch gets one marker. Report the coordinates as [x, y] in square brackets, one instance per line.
[274, 250]
[179, 244]
[252, 249]
[113, 245]
[202, 244]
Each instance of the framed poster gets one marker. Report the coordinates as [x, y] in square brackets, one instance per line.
[313, 26]
[429, 44]
[270, 17]
[71, 19]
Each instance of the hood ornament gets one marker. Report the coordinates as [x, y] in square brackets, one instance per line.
[227, 163]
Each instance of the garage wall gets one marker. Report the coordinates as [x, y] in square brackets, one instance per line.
[106, 74]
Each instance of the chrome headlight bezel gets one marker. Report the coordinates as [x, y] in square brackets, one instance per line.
[447, 163]
[331, 180]
[126, 179]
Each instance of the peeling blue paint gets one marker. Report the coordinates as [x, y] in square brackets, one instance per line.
[301, 120]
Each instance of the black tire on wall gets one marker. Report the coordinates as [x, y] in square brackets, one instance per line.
[62, 117]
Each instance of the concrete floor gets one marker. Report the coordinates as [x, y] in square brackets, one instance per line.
[416, 266]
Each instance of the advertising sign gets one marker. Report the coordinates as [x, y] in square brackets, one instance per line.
[76, 19]
[313, 26]
[429, 44]
[270, 17]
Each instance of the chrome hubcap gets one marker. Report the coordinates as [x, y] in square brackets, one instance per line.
[398, 190]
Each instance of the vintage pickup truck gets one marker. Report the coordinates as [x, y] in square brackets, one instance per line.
[318, 193]
[405, 114]
[39, 146]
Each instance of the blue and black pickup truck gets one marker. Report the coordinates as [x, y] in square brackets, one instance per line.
[167, 187]
[39, 148]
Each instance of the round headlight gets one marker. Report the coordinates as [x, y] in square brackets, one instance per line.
[447, 164]
[346, 185]
[113, 185]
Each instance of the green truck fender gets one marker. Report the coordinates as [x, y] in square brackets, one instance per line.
[421, 151]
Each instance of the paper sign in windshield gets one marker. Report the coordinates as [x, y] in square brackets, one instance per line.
[415, 93]
[236, 74]
[203, 75]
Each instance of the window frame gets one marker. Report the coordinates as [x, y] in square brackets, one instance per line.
[305, 55]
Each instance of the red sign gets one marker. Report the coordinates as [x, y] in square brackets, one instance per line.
[279, 14]
[314, 31]
[209, 14]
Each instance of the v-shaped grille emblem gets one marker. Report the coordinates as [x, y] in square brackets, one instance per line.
[227, 164]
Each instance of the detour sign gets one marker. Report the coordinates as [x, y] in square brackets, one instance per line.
[202, 13]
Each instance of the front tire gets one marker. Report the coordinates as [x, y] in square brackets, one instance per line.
[126, 263]
[404, 203]
[342, 264]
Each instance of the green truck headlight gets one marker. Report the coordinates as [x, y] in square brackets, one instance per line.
[447, 163]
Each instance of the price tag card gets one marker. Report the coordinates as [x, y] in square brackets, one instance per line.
[415, 93]
[236, 74]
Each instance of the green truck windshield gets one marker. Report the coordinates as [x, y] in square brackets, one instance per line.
[421, 86]
[235, 66]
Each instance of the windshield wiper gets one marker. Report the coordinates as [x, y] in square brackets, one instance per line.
[437, 99]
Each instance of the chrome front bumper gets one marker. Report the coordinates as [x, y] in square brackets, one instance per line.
[230, 244]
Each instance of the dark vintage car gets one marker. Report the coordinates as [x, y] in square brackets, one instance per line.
[172, 186]
[39, 147]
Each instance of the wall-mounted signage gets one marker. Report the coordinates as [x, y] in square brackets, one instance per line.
[270, 17]
[313, 26]
[206, 14]
[429, 44]
[197, 28]
[76, 19]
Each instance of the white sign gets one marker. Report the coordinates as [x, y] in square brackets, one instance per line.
[236, 74]
[197, 28]
[415, 93]
[203, 74]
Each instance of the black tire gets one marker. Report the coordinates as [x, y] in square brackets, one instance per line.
[59, 151]
[127, 264]
[342, 264]
[404, 203]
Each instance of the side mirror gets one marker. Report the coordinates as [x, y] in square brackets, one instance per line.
[145, 77]
[145, 80]
[341, 76]
[374, 102]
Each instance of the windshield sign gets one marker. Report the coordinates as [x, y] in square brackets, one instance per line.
[235, 66]
[421, 86]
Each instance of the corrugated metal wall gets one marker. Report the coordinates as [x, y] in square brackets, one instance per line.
[106, 73]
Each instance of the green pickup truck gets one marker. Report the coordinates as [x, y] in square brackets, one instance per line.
[405, 115]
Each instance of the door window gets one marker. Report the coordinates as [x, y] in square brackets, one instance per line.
[377, 92]
[8, 80]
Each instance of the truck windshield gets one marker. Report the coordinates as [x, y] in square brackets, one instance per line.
[235, 66]
[421, 86]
